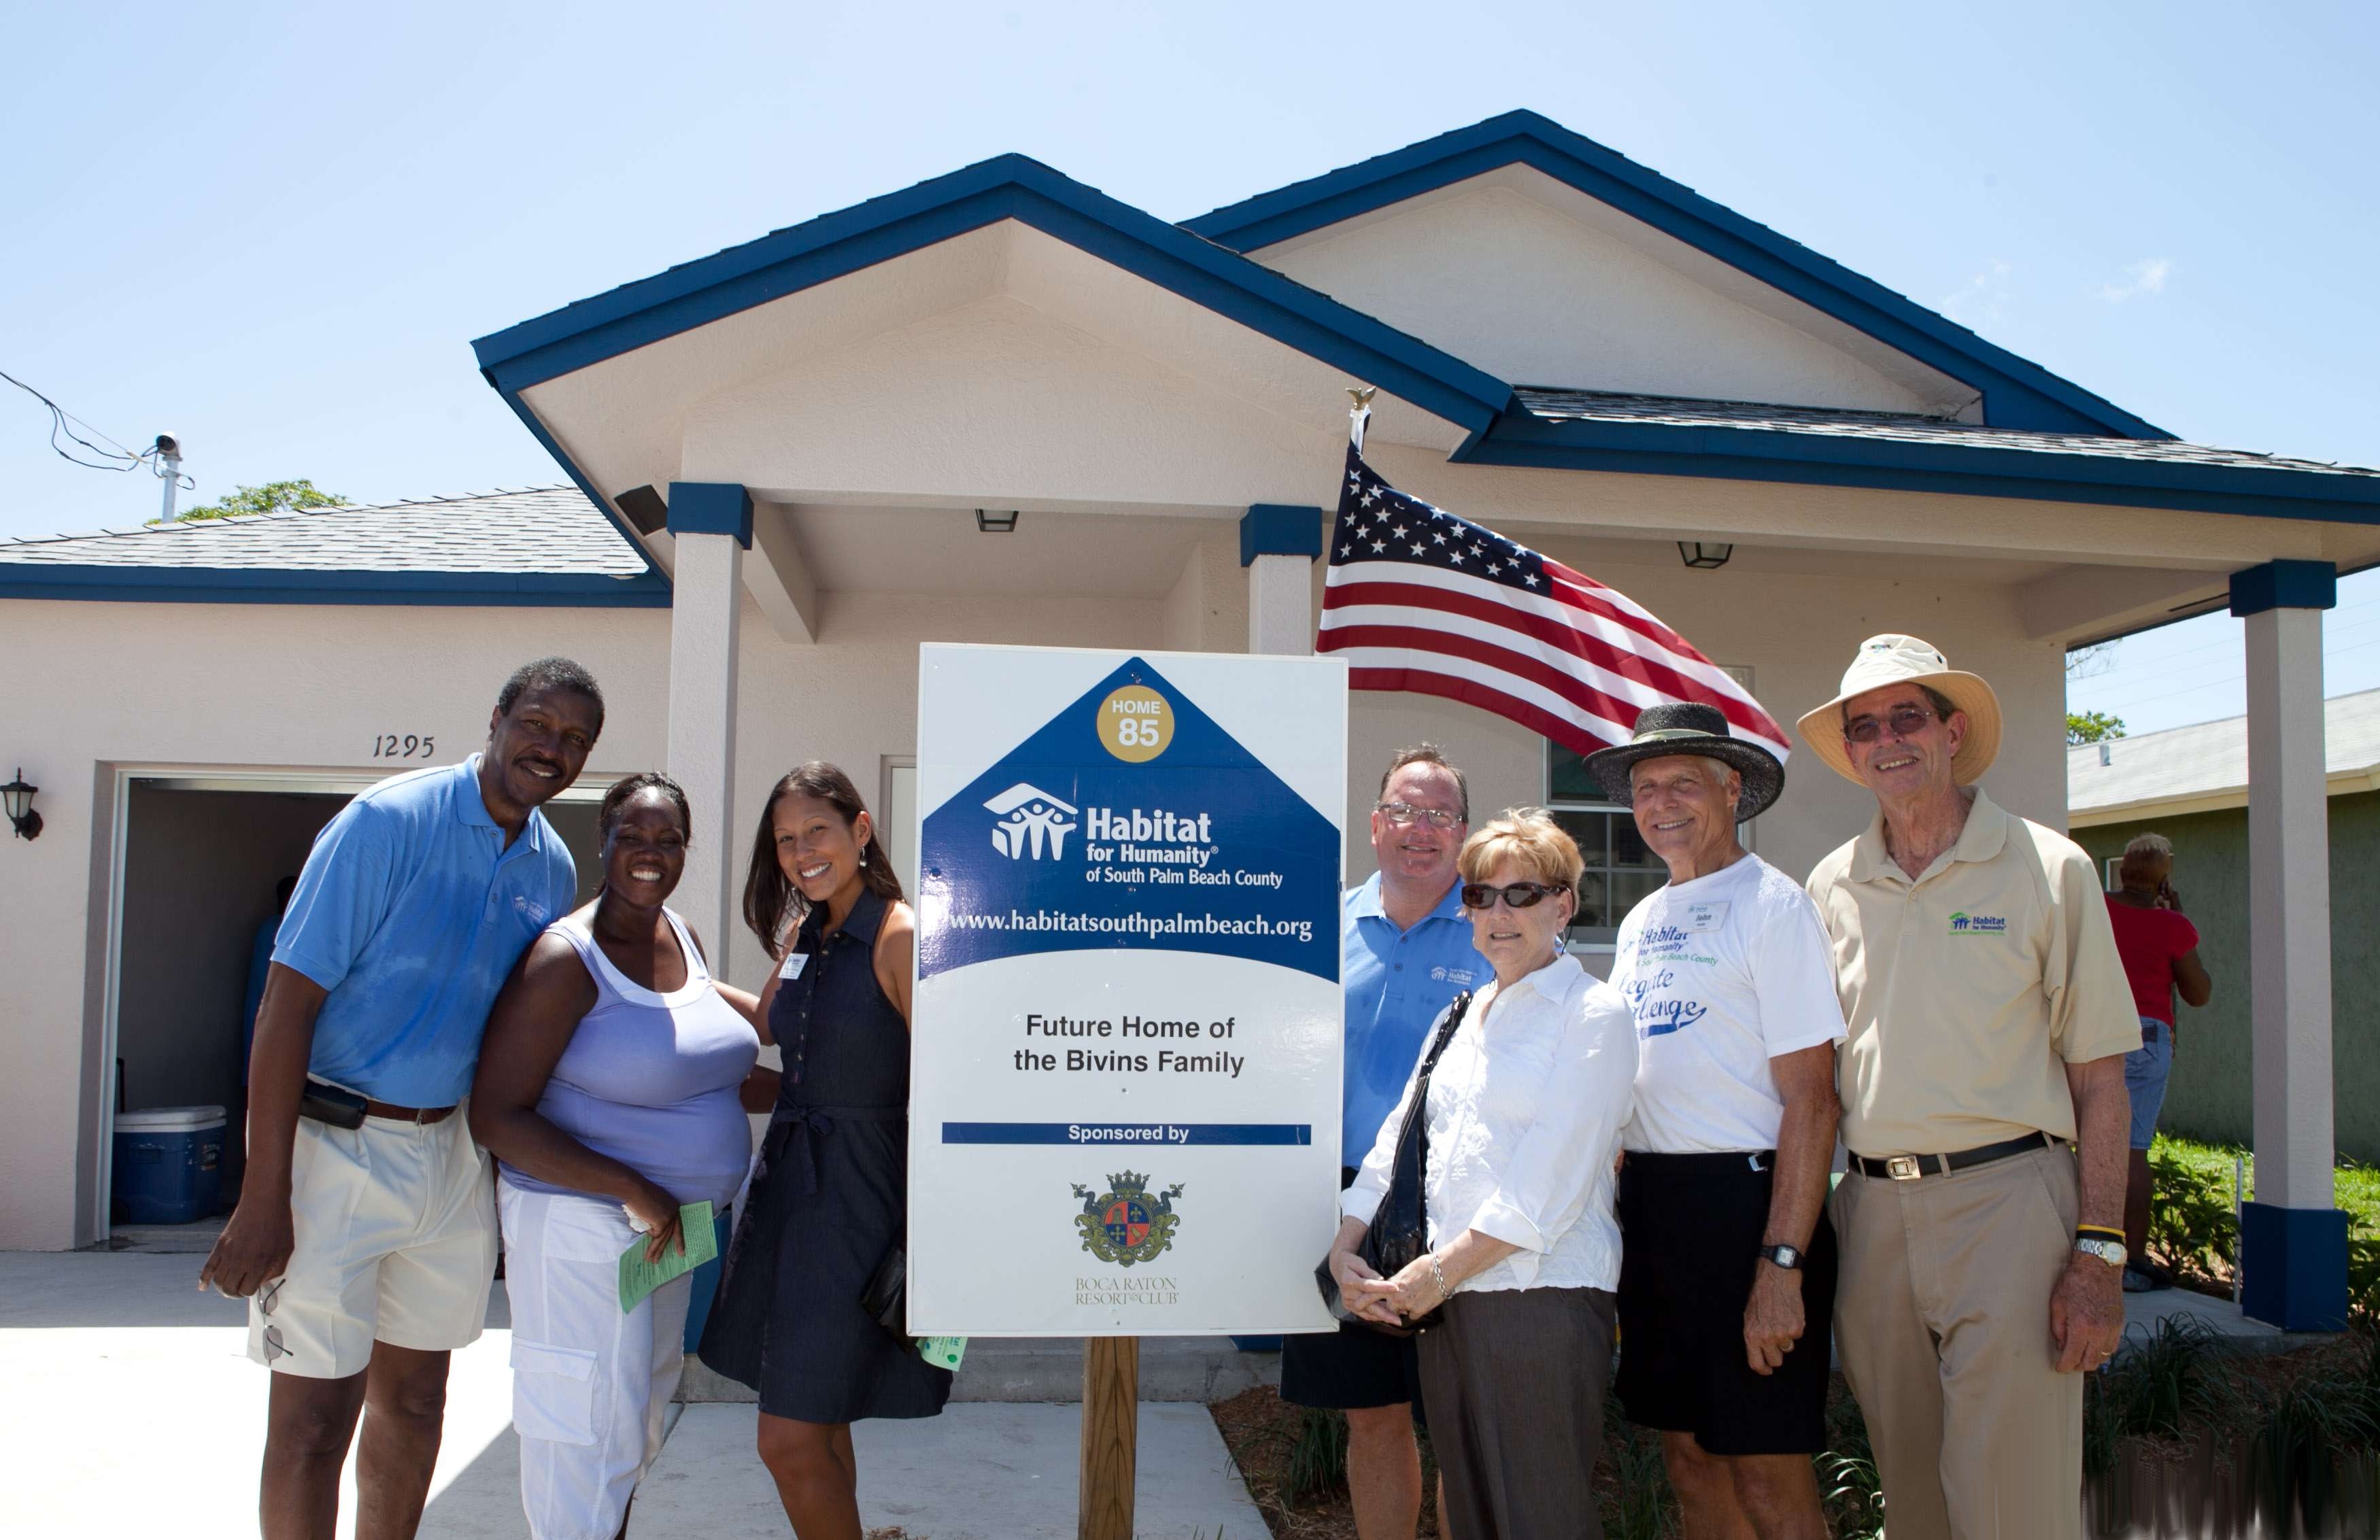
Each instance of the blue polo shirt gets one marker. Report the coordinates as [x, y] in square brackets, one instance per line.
[1397, 982]
[412, 912]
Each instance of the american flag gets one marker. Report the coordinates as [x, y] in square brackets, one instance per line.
[1419, 600]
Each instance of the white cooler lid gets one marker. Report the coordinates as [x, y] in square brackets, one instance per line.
[168, 1120]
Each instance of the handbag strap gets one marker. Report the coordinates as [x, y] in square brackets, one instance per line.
[1419, 1111]
[1454, 1014]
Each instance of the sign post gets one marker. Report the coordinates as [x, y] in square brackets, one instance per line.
[1126, 1073]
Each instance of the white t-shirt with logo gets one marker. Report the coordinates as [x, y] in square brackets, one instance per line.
[1723, 974]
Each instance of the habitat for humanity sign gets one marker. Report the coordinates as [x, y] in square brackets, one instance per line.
[1125, 1064]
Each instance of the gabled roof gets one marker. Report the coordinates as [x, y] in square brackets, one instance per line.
[2203, 768]
[541, 545]
[1750, 441]
[2017, 392]
[1008, 186]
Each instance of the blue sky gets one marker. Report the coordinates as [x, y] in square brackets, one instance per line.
[273, 229]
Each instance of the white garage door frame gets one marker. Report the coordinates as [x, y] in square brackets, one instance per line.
[198, 777]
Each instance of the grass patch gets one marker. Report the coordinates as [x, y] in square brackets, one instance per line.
[2192, 1232]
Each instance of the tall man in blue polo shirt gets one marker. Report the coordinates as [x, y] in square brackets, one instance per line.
[1407, 953]
[365, 1233]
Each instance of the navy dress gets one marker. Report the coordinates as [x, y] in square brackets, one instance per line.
[828, 1201]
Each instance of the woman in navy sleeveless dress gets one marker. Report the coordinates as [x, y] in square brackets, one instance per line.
[828, 1202]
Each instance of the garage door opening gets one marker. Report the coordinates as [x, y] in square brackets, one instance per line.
[203, 858]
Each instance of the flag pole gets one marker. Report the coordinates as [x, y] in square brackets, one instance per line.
[1359, 412]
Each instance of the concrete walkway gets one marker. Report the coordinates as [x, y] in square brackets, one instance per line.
[132, 1398]
[2143, 1312]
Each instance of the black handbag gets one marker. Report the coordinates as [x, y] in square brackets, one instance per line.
[886, 1298]
[1399, 1230]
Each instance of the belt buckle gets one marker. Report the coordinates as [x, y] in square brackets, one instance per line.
[1903, 1168]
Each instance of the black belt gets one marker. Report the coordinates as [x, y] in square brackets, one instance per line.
[1909, 1168]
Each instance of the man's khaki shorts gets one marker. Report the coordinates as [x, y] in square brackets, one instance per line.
[396, 1243]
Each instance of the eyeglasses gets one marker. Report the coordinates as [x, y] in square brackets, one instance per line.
[1402, 814]
[1905, 721]
[1516, 896]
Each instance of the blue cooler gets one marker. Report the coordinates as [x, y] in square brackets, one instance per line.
[169, 1164]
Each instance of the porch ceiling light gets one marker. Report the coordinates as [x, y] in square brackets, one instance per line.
[17, 798]
[996, 521]
[1706, 555]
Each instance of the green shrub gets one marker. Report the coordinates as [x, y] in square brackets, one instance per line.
[1846, 1479]
[2190, 1222]
[1643, 1508]
[1318, 1460]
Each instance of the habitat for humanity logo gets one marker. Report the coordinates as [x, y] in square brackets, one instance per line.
[1032, 818]
[1964, 924]
[1126, 1223]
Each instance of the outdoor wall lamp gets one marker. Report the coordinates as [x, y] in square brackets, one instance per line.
[17, 798]
[996, 521]
[1705, 555]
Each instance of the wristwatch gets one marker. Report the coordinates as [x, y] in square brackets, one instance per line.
[1785, 1256]
[2111, 1252]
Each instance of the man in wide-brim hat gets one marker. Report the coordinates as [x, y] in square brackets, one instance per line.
[1983, 1106]
[1727, 1272]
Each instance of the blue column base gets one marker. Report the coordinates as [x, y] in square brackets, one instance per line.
[2294, 1262]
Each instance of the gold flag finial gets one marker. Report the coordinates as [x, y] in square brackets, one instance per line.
[1359, 412]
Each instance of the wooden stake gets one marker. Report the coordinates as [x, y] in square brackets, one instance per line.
[1111, 1436]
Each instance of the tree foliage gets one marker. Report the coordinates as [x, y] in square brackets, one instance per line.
[2090, 727]
[273, 497]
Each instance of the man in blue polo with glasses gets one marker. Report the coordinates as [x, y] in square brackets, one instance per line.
[1406, 953]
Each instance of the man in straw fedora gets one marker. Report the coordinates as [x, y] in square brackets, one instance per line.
[1985, 1108]
[1726, 1271]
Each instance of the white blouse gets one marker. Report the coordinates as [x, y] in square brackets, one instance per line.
[1524, 1113]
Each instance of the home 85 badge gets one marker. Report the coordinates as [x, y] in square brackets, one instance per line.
[1135, 723]
[1128, 1223]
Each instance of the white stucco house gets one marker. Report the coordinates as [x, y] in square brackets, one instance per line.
[795, 460]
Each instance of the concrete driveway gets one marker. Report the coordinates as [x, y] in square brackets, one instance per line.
[134, 1410]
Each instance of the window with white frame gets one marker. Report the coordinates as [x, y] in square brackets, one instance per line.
[1619, 870]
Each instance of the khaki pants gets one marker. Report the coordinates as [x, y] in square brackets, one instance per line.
[1942, 1318]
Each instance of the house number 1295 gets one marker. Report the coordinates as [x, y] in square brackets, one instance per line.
[412, 746]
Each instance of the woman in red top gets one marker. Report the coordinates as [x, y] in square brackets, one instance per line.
[2160, 953]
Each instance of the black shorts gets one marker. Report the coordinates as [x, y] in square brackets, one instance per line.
[1690, 1230]
[1351, 1368]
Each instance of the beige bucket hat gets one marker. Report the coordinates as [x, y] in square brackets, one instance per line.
[1893, 659]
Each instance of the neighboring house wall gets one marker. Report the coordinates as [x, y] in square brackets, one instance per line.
[2208, 1096]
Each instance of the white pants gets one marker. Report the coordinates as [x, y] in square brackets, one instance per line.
[591, 1383]
[396, 1243]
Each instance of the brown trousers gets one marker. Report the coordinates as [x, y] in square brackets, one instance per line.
[1942, 1319]
[1514, 1380]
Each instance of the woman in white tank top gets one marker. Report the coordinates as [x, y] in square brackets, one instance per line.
[610, 1089]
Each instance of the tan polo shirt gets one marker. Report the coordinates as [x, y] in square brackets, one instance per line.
[1970, 990]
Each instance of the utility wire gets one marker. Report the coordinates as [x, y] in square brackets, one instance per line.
[111, 456]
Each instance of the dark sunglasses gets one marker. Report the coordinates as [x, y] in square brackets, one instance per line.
[1904, 720]
[1517, 895]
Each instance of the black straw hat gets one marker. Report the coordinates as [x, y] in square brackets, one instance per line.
[1686, 727]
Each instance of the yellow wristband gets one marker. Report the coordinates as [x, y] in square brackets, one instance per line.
[2108, 1231]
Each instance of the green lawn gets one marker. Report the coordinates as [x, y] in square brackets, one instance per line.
[2192, 1228]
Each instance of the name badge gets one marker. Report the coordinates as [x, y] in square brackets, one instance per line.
[793, 964]
[1707, 916]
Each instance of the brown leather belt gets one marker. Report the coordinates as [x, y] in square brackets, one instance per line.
[407, 1114]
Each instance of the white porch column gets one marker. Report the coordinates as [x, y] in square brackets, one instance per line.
[2293, 1240]
[1278, 545]
[711, 523]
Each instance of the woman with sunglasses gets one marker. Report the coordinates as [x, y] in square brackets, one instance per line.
[1523, 1114]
